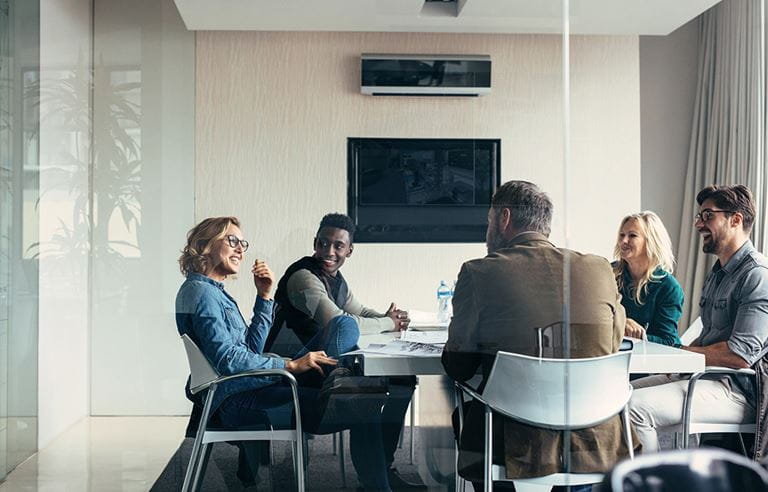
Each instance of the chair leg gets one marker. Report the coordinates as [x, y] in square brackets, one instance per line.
[628, 432]
[743, 446]
[335, 435]
[189, 483]
[202, 462]
[413, 428]
[193, 457]
[488, 454]
[271, 466]
[299, 462]
[459, 402]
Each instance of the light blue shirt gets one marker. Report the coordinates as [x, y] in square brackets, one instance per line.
[211, 318]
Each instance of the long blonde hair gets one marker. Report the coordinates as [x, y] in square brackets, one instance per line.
[195, 257]
[658, 249]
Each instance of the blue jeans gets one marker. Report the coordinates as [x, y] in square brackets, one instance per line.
[366, 440]
[372, 444]
[340, 336]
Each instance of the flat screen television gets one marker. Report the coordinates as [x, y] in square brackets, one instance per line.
[421, 190]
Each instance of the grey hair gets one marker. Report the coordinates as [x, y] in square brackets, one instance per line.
[531, 208]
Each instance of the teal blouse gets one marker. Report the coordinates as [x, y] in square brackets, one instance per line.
[661, 309]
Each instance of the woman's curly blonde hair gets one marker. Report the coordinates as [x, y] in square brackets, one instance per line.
[195, 257]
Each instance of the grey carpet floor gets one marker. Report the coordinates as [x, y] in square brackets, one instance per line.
[323, 474]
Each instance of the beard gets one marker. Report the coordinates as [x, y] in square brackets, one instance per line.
[494, 241]
[710, 246]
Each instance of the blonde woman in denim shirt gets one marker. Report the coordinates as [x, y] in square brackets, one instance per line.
[212, 319]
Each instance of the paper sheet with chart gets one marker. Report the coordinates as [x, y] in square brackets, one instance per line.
[400, 347]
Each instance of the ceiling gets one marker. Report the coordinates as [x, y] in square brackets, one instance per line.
[648, 17]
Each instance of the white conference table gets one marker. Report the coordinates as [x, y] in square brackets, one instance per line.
[647, 358]
[436, 459]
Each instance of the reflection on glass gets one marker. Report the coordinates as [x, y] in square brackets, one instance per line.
[19, 185]
[143, 201]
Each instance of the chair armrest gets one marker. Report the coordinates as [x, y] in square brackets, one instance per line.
[259, 372]
[728, 370]
[213, 386]
[708, 371]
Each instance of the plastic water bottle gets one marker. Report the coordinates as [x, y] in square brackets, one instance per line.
[443, 302]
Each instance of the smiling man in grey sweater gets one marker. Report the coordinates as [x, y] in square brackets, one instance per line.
[311, 296]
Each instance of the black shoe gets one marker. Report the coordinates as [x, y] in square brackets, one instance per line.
[397, 482]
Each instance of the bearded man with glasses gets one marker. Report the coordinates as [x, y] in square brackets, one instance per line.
[734, 314]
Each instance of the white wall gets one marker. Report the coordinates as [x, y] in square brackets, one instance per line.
[274, 111]
[668, 73]
[63, 362]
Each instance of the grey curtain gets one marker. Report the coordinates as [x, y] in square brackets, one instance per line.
[727, 135]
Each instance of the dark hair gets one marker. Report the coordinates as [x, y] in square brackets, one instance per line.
[531, 208]
[339, 221]
[736, 198]
[195, 255]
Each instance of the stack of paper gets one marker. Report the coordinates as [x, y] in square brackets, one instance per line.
[433, 337]
[425, 320]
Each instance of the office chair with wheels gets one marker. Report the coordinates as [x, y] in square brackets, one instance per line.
[523, 388]
[205, 377]
[699, 470]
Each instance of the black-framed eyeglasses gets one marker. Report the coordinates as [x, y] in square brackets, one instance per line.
[234, 241]
[707, 214]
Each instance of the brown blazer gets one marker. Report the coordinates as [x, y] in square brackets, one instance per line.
[499, 302]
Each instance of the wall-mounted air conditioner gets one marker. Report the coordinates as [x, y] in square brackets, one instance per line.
[426, 75]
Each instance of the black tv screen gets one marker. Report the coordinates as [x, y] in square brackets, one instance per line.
[421, 189]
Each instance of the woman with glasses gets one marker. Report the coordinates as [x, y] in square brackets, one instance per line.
[651, 296]
[211, 318]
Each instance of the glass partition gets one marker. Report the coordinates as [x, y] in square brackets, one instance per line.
[143, 177]
[19, 192]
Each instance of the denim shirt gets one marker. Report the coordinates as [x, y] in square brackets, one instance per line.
[211, 318]
[734, 309]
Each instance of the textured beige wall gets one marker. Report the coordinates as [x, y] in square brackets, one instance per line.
[274, 110]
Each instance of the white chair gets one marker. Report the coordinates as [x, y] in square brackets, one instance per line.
[559, 394]
[692, 426]
[205, 377]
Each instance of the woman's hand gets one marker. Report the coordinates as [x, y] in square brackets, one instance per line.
[263, 278]
[633, 329]
[398, 317]
[312, 360]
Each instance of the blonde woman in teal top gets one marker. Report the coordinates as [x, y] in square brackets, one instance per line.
[651, 296]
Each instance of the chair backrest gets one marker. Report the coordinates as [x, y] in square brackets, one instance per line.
[559, 393]
[200, 369]
[693, 332]
[699, 470]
